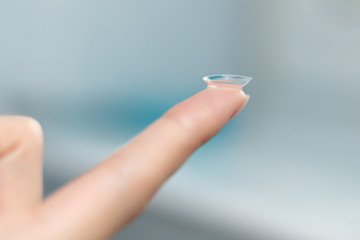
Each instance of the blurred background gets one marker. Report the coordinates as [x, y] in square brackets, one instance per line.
[95, 73]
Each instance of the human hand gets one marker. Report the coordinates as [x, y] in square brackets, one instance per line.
[103, 200]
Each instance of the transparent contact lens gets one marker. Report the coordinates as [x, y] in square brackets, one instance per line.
[227, 81]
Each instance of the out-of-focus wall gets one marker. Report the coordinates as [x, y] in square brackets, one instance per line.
[97, 72]
[61, 49]
[114, 63]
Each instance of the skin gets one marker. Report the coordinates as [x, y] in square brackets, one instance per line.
[103, 200]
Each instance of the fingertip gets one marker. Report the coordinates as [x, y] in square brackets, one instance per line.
[205, 113]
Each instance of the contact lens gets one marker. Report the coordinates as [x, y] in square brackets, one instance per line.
[227, 81]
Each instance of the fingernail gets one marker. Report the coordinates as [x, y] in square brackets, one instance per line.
[247, 98]
[235, 113]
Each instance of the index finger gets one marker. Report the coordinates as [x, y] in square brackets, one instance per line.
[103, 200]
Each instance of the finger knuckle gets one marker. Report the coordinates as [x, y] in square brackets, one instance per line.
[28, 127]
[20, 132]
[184, 126]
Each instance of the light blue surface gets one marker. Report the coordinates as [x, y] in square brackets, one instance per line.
[94, 73]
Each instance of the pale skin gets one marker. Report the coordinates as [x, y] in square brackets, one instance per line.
[103, 200]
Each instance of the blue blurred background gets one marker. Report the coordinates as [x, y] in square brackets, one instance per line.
[95, 73]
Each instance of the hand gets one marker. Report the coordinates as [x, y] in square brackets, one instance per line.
[102, 201]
